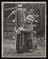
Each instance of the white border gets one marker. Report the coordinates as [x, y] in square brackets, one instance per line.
[2, 25]
[24, 2]
[45, 25]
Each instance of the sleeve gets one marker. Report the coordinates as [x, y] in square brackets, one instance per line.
[27, 30]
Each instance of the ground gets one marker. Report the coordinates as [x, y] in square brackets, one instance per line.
[9, 49]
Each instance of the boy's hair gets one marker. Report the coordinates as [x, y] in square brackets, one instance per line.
[31, 12]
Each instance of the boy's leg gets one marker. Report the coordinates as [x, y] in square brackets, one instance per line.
[30, 46]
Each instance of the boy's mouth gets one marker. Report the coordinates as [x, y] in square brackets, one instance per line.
[28, 21]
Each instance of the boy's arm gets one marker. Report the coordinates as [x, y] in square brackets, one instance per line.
[27, 30]
[24, 30]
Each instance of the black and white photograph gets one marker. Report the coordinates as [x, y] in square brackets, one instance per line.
[23, 29]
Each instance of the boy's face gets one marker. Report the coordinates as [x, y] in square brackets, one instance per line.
[30, 18]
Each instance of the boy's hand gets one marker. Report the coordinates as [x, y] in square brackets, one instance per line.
[17, 31]
[21, 29]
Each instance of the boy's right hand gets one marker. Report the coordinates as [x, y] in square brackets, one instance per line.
[17, 31]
